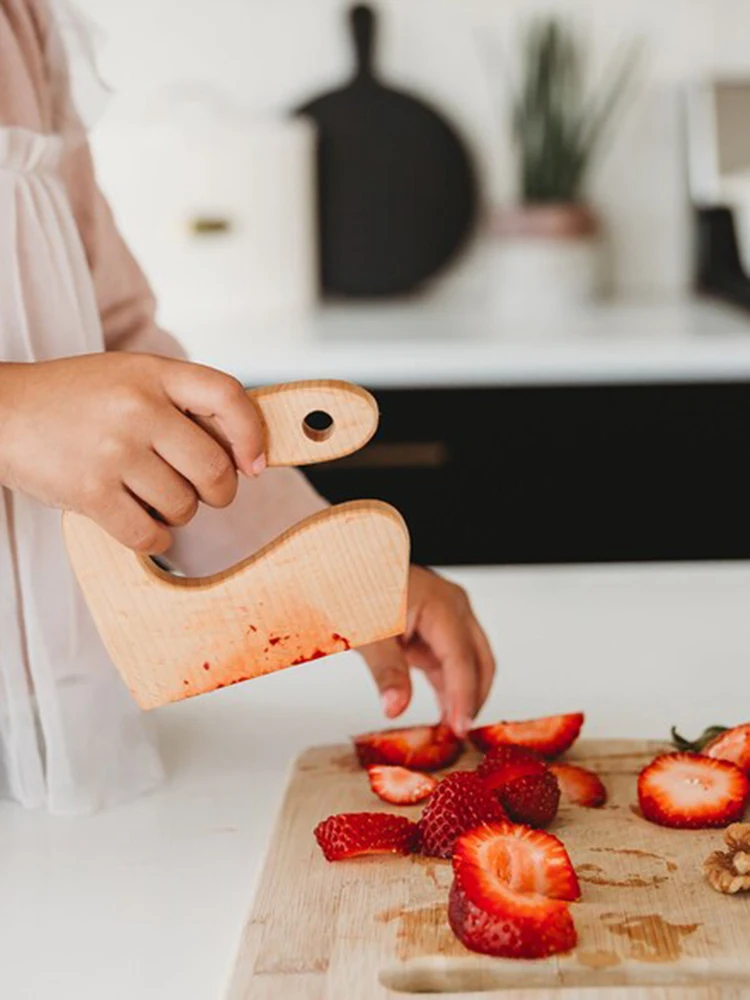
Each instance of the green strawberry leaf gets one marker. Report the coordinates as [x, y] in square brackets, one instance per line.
[696, 746]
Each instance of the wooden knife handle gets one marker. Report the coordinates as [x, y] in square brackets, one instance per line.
[315, 421]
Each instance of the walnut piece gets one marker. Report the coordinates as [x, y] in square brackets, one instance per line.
[729, 871]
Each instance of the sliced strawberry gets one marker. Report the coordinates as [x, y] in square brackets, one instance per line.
[502, 777]
[500, 757]
[515, 857]
[399, 785]
[579, 785]
[507, 895]
[733, 745]
[523, 783]
[692, 791]
[520, 926]
[533, 799]
[549, 736]
[459, 803]
[351, 835]
[421, 748]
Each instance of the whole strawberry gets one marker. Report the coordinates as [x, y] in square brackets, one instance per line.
[460, 802]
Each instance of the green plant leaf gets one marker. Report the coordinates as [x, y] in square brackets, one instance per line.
[597, 116]
[557, 129]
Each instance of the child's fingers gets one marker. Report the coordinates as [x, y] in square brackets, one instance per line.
[390, 672]
[451, 641]
[123, 517]
[197, 457]
[419, 655]
[460, 673]
[157, 485]
[485, 661]
[208, 393]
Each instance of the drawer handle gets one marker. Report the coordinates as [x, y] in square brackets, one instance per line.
[206, 225]
[410, 455]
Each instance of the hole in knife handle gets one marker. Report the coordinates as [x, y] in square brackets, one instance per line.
[411, 455]
[318, 425]
[436, 975]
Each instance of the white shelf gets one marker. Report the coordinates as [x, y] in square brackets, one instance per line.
[431, 343]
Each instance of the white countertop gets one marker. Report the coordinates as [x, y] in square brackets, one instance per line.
[147, 902]
[431, 342]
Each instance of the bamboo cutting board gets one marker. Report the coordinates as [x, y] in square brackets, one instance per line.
[649, 926]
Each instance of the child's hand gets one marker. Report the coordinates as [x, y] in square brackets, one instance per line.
[445, 640]
[109, 435]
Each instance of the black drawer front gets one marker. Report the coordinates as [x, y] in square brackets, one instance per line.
[584, 474]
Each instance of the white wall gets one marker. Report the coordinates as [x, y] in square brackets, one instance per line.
[271, 54]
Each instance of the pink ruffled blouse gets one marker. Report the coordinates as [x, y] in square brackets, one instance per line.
[71, 739]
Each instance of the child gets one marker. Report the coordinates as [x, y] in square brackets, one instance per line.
[100, 413]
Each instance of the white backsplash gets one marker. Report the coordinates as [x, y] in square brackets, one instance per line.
[270, 55]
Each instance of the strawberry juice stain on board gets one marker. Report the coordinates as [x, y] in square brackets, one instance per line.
[650, 938]
[595, 875]
[423, 931]
[634, 852]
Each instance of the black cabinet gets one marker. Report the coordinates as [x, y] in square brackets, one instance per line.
[548, 474]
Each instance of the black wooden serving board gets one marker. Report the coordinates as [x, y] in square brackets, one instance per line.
[397, 189]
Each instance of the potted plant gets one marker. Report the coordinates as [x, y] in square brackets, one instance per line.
[549, 249]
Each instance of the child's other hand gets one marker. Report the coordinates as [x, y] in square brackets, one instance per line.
[445, 640]
[120, 436]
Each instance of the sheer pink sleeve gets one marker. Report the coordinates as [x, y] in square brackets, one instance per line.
[35, 94]
[264, 507]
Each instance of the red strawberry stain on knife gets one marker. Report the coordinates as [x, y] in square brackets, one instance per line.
[333, 642]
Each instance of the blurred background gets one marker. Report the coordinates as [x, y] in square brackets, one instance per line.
[524, 225]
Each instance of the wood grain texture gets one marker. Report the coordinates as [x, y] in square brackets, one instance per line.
[649, 926]
[335, 581]
[283, 408]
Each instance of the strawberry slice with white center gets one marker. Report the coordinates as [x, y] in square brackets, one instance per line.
[692, 791]
[549, 736]
[420, 748]
[514, 857]
[579, 786]
[399, 785]
[508, 895]
[733, 745]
